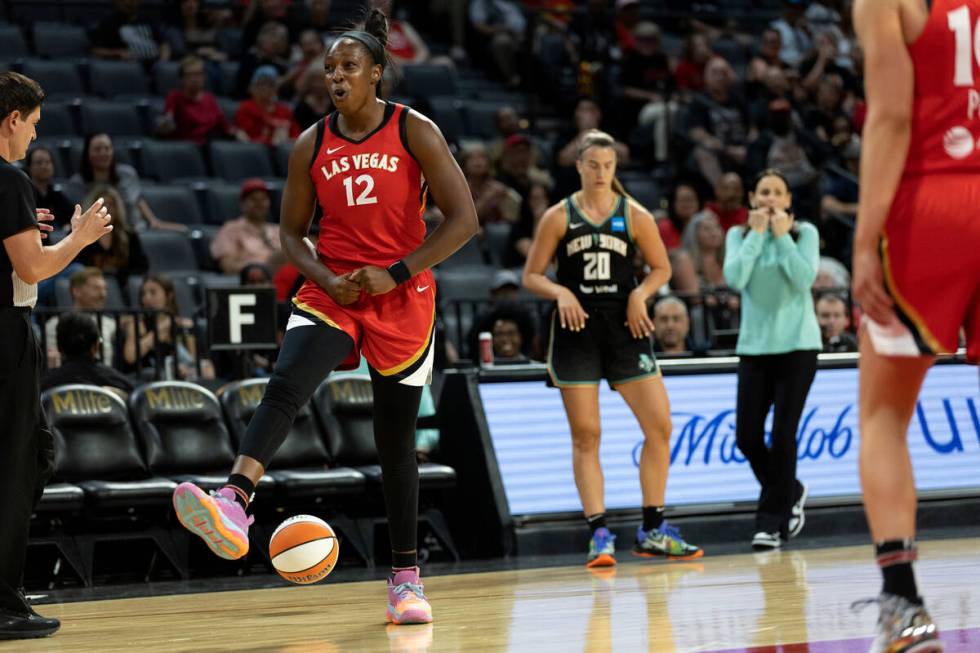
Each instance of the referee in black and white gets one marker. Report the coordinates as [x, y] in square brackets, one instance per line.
[26, 446]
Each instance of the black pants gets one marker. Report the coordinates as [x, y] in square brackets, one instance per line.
[26, 449]
[781, 381]
[307, 356]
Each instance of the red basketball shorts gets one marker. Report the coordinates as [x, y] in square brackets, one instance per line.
[393, 331]
[931, 260]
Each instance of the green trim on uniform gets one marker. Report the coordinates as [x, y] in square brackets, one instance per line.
[551, 368]
[582, 214]
[632, 379]
[628, 216]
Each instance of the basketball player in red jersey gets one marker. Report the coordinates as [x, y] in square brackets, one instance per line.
[369, 291]
[916, 267]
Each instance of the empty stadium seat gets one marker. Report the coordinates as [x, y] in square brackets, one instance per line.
[481, 119]
[222, 203]
[301, 466]
[167, 251]
[183, 433]
[496, 236]
[95, 448]
[644, 191]
[464, 283]
[12, 43]
[56, 40]
[165, 76]
[113, 118]
[469, 255]
[59, 77]
[114, 78]
[429, 80]
[172, 160]
[56, 120]
[173, 203]
[447, 113]
[234, 161]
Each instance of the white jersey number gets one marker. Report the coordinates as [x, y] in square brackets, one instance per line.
[959, 23]
[367, 181]
[596, 266]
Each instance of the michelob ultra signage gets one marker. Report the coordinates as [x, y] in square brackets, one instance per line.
[533, 446]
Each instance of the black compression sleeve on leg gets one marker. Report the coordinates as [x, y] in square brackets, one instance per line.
[396, 409]
[308, 354]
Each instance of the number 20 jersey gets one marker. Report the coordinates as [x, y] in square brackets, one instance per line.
[945, 130]
[371, 192]
[595, 261]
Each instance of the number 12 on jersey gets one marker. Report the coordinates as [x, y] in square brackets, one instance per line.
[366, 184]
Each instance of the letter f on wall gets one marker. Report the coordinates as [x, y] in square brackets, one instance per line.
[237, 317]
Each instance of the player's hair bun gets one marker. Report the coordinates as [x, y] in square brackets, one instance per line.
[377, 26]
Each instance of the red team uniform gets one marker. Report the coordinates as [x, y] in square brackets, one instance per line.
[372, 196]
[931, 249]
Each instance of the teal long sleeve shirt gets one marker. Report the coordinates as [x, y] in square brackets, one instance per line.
[774, 276]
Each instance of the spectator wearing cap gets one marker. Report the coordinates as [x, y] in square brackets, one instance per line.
[646, 81]
[510, 123]
[191, 112]
[263, 117]
[832, 317]
[250, 238]
[506, 286]
[718, 123]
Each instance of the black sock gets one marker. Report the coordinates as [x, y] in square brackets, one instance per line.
[653, 517]
[895, 557]
[596, 521]
[243, 487]
[404, 560]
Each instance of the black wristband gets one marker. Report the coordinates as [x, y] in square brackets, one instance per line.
[399, 272]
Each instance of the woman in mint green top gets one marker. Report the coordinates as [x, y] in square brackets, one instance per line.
[773, 261]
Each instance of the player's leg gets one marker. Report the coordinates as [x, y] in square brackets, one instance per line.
[796, 371]
[754, 397]
[582, 410]
[396, 409]
[308, 354]
[647, 398]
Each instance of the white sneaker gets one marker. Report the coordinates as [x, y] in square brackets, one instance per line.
[763, 541]
[797, 517]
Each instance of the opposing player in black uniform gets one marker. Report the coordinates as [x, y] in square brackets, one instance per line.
[601, 328]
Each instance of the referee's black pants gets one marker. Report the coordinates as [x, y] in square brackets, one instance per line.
[782, 382]
[26, 448]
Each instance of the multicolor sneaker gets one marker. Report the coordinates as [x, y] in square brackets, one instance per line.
[903, 626]
[664, 541]
[406, 602]
[602, 549]
[216, 518]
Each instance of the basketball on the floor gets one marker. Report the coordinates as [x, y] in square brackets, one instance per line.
[304, 549]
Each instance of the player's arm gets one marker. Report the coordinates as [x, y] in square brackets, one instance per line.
[651, 246]
[550, 231]
[33, 262]
[449, 191]
[298, 203]
[889, 81]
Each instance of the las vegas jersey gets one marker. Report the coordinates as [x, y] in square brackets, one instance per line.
[945, 130]
[595, 261]
[371, 193]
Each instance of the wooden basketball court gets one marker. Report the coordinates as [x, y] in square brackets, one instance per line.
[753, 602]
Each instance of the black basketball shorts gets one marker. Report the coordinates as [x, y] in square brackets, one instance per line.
[605, 348]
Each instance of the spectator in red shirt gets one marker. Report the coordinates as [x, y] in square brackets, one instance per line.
[191, 112]
[263, 117]
[729, 203]
[689, 73]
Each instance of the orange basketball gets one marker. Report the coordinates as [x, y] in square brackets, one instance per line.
[304, 549]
